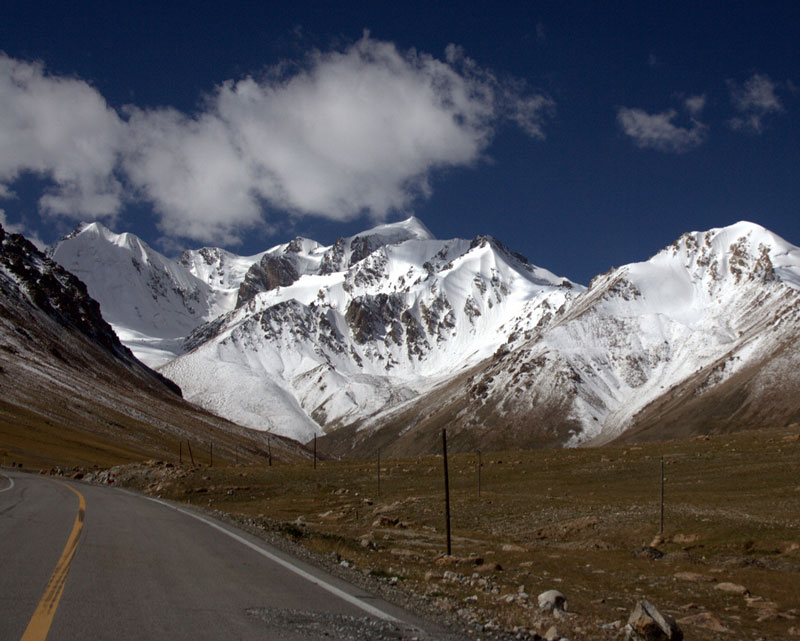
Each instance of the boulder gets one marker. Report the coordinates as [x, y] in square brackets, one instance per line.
[707, 621]
[731, 588]
[552, 601]
[648, 624]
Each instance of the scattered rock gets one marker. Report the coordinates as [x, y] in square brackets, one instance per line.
[790, 547]
[731, 588]
[693, 577]
[448, 559]
[386, 521]
[510, 547]
[760, 603]
[552, 600]
[552, 634]
[649, 552]
[648, 624]
[707, 621]
[613, 625]
[685, 538]
[485, 568]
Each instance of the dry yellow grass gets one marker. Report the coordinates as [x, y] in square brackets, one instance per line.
[573, 520]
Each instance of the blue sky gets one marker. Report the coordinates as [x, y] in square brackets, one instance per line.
[582, 137]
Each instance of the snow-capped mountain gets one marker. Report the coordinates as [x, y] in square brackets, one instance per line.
[324, 336]
[650, 348]
[151, 302]
[387, 336]
[304, 338]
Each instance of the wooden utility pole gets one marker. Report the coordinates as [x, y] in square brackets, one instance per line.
[379, 472]
[189, 443]
[446, 492]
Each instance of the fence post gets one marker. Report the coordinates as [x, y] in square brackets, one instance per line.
[189, 443]
[379, 472]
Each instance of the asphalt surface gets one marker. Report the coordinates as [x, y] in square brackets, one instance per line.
[146, 570]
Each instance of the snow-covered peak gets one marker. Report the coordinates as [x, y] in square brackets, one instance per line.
[698, 271]
[409, 229]
[94, 244]
[742, 250]
[383, 314]
[346, 252]
[219, 268]
[151, 301]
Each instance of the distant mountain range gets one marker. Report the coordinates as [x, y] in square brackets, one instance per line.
[383, 338]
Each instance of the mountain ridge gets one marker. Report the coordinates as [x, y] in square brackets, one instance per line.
[339, 339]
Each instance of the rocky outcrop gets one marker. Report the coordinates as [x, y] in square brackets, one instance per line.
[271, 272]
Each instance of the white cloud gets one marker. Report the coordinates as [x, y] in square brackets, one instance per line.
[349, 132]
[60, 128]
[16, 228]
[754, 100]
[190, 169]
[658, 131]
[695, 104]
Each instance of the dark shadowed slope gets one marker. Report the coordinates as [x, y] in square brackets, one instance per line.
[73, 394]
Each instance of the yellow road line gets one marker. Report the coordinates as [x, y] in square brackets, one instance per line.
[42, 619]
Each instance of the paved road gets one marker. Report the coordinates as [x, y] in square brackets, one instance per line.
[137, 569]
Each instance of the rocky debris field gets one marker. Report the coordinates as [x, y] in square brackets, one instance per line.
[551, 545]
